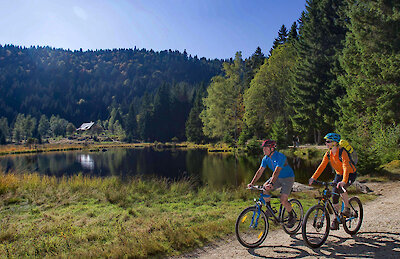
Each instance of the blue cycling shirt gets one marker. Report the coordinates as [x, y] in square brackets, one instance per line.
[278, 160]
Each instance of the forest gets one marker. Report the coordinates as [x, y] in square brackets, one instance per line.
[337, 68]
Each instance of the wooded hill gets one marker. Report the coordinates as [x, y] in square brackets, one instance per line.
[85, 86]
[336, 69]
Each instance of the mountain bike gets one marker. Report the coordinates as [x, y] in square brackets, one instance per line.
[316, 223]
[252, 225]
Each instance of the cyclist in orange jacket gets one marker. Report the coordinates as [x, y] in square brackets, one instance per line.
[346, 174]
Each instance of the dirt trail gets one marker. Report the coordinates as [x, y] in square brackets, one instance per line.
[379, 236]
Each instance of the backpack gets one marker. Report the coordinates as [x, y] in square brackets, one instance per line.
[344, 145]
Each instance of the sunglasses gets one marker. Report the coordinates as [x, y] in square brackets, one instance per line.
[328, 141]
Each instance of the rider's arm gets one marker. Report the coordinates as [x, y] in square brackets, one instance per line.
[321, 167]
[346, 167]
[275, 174]
[257, 175]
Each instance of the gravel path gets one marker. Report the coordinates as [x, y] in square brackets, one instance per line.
[379, 236]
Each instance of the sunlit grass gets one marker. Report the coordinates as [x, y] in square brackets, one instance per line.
[20, 149]
[82, 216]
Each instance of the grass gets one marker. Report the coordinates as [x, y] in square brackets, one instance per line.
[80, 216]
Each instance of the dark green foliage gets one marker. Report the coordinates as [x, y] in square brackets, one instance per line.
[194, 125]
[252, 65]
[4, 130]
[81, 86]
[253, 147]
[2, 138]
[315, 89]
[371, 59]
[279, 132]
[131, 124]
[293, 36]
[281, 39]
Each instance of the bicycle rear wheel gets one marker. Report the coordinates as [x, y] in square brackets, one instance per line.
[315, 229]
[353, 224]
[251, 227]
[298, 212]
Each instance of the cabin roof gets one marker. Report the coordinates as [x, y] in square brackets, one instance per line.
[86, 126]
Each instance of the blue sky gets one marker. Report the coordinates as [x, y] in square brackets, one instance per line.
[206, 28]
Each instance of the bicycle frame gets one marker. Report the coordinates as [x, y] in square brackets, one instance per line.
[259, 204]
[325, 199]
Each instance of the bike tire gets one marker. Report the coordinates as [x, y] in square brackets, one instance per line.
[357, 214]
[299, 213]
[316, 226]
[248, 234]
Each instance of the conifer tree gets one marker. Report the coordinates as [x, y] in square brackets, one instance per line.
[194, 125]
[314, 91]
[131, 124]
[293, 36]
[252, 65]
[281, 39]
[371, 59]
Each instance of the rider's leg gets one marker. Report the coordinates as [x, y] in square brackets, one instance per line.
[345, 198]
[336, 206]
[268, 192]
[285, 202]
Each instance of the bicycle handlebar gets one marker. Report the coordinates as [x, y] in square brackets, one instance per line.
[256, 187]
[326, 184]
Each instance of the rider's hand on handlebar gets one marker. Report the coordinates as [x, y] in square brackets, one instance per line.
[267, 186]
[311, 181]
[249, 186]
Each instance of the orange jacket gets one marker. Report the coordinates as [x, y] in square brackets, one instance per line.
[342, 168]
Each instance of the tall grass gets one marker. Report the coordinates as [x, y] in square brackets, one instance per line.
[82, 216]
[90, 216]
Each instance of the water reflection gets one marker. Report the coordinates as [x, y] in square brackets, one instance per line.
[86, 161]
[216, 170]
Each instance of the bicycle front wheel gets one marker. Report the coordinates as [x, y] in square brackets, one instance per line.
[251, 227]
[298, 213]
[316, 227]
[353, 224]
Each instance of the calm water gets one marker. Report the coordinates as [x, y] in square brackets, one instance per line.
[217, 170]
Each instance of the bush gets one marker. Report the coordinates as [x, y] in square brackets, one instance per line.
[253, 146]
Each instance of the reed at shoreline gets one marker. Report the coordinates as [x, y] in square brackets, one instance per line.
[80, 216]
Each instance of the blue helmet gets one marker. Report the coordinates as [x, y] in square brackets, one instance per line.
[333, 136]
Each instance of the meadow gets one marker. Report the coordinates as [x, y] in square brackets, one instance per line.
[81, 216]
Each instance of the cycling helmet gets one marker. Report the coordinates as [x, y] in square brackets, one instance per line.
[269, 143]
[333, 136]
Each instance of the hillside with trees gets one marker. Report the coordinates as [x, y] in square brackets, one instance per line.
[110, 86]
[336, 69]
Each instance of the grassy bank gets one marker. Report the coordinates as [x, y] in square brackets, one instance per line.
[99, 146]
[103, 217]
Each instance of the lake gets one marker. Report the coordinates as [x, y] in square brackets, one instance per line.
[214, 169]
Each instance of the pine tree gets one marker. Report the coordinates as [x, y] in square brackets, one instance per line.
[131, 124]
[194, 125]
[293, 36]
[315, 90]
[145, 118]
[371, 59]
[162, 114]
[281, 39]
[252, 65]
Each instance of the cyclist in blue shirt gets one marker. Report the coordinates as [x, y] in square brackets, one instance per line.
[282, 176]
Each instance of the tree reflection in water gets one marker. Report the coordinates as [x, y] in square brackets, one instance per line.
[219, 170]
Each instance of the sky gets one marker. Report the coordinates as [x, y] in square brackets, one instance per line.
[206, 28]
